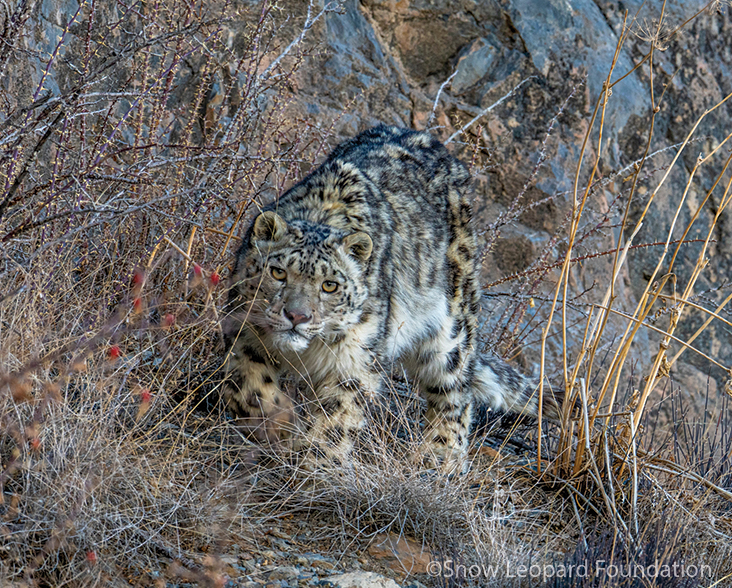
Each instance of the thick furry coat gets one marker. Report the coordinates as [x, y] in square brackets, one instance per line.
[370, 259]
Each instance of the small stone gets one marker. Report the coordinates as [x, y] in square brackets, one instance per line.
[403, 555]
[283, 573]
[278, 543]
[361, 580]
[269, 554]
[475, 63]
[248, 565]
[279, 534]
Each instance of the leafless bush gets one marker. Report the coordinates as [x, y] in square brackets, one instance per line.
[123, 193]
[127, 174]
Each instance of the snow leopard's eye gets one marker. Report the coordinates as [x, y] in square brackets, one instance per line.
[279, 274]
[329, 286]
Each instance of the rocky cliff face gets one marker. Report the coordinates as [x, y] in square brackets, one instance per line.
[399, 54]
[512, 84]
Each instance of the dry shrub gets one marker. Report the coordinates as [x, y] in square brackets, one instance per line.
[123, 196]
[601, 447]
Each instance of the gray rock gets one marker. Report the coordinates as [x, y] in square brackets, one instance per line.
[577, 32]
[383, 61]
[476, 62]
[283, 573]
[361, 580]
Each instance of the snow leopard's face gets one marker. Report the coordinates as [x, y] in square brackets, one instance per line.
[304, 280]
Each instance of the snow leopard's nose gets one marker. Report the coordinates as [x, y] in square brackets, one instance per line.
[297, 316]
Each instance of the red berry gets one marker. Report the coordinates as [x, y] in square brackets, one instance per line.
[35, 443]
[197, 270]
[215, 279]
[91, 557]
[168, 320]
[145, 396]
[113, 352]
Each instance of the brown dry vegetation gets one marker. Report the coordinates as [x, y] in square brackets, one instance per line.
[119, 216]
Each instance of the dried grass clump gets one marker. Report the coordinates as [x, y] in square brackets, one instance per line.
[621, 482]
[121, 200]
[103, 492]
[125, 176]
[604, 440]
[606, 450]
[482, 517]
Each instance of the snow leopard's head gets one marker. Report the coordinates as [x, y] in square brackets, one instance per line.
[301, 280]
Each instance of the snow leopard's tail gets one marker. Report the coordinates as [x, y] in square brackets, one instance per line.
[501, 388]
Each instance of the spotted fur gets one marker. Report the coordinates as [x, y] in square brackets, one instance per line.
[385, 222]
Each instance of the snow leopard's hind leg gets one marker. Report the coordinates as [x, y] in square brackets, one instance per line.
[443, 366]
[444, 361]
[451, 373]
[458, 382]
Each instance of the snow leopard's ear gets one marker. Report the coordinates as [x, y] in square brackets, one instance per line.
[359, 245]
[269, 226]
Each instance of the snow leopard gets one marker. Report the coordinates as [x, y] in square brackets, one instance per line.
[369, 261]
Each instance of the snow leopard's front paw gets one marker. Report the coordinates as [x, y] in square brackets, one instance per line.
[322, 449]
[334, 425]
[264, 413]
